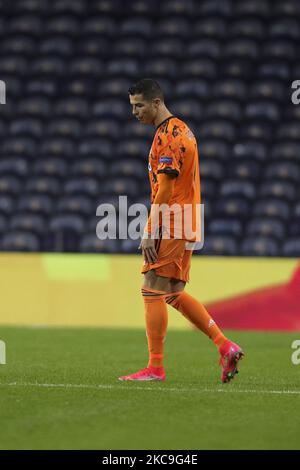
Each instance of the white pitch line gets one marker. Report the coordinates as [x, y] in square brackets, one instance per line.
[154, 388]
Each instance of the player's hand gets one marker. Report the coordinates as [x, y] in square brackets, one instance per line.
[147, 246]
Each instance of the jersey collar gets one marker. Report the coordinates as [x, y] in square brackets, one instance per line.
[165, 120]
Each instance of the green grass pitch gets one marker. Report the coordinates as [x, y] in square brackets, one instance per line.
[59, 390]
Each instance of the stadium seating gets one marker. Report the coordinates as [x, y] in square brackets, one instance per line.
[69, 141]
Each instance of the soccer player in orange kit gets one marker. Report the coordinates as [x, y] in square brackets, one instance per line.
[174, 179]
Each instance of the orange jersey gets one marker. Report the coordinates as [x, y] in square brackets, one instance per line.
[174, 151]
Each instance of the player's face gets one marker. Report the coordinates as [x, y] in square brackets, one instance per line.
[144, 111]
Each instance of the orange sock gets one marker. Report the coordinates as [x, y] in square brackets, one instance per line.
[197, 314]
[156, 316]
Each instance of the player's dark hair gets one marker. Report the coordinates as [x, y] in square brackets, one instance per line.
[147, 87]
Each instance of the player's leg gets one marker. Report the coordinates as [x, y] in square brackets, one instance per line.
[197, 314]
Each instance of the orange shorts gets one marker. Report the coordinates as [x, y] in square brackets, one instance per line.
[174, 261]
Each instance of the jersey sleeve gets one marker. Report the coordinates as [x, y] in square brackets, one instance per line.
[171, 152]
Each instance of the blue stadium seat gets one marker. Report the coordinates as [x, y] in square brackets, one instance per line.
[18, 44]
[73, 107]
[58, 146]
[250, 149]
[199, 68]
[20, 241]
[63, 24]
[229, 88]
[107, 7]
[69, 128]
[121, 185]
[160, 67]
[27, 127]
[130, 167]
[89, 243]
[248, 27]
[130, 47]
[93, 45]
[139, 26]
[34, 223]
[214, 149]
[265, 110]
[7, 203]
[167, 46]
[64, 232]
[34, 106]
[44, 185]
[259, 8]
[36, 203]
[218, 128]
[50, 167]
[133, 129]
[232, 206]
[214, 27]
[272, 207]
[269, 89]
[219, 226]
[227, 109]
[219, 245]
[211, 168]
[111, 108]
[14, 166]
[19, 145]
[291, 247]
[203, 48]
[58, 45]
[45, 87]
[173, 26]
[257, 130]
[66, 6]
[15, 65]
[289, 8]
[283, 170]
[187, 107]
[209, 189]
[274, 69]
[50, 66]
[130, 246]
[234, 69]
[91, 167]
[191, 88]
[10, 185]
[244, 189]
[266, 227]
[142, 7]
[284, 190]
[286, 151]
[289, 131]
[107, 128]
[85, 186]
[96, 146]
[246, 169]
[132, 148]
[214, 7]
[80, 205]
[25, 24]
[90, 66]
[285, 27]
[100, 25]
[177, 7]
[115, 87]
[260, 246]
[242, 48]
[279, 49]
